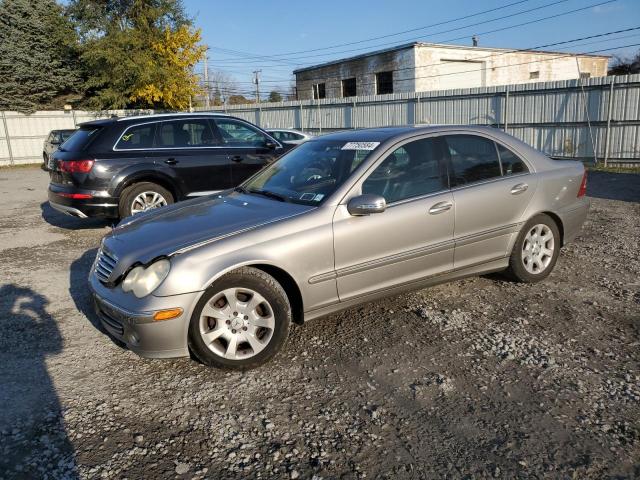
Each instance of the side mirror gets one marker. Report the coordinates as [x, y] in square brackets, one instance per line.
[366, 204]
[271, 145]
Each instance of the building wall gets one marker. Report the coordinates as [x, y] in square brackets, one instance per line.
[443, 68]
[401, 62]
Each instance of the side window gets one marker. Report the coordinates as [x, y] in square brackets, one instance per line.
[239, 134]
[511, 163]
[185, 134]
[473, 159]
[278, 135]
[140, 136]
[415, 169]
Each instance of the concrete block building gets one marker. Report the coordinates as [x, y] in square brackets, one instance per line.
[419, 67]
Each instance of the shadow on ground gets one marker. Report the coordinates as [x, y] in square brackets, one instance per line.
[33, 439]
[67, 222]
[81, 294]
[614, 186]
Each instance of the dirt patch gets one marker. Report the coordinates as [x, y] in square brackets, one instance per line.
[477, 378]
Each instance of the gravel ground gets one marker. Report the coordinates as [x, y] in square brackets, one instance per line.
[479, 378]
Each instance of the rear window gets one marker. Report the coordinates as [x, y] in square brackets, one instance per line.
[80, 139]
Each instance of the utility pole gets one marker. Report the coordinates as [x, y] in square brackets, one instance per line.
[256, 80]
[206, 79]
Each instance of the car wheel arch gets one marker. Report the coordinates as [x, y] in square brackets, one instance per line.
[284, 278]
[555, 217]
[163, 181]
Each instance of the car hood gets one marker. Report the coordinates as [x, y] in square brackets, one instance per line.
[187, 224]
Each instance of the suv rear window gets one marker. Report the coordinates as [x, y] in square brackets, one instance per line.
[80, 139]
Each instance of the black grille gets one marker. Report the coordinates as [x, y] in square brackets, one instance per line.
[105, 263]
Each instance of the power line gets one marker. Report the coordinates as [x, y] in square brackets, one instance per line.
[512, 65]
[399, 33]
[493, 55]
[561, 14]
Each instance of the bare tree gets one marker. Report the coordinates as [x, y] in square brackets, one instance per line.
[222, 86]
[625, 66]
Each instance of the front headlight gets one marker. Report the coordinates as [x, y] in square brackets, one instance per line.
[142, 281]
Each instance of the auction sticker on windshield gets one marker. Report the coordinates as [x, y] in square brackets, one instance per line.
[360, 145]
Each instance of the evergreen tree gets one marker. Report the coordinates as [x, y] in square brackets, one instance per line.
[274, 96]
[37, 55]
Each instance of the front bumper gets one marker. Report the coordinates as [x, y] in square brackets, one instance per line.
[99, 205]
[130, 320]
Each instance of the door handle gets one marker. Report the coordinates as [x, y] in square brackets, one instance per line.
[171, 161]
[440, 207]
[236, 158]
[519, 188]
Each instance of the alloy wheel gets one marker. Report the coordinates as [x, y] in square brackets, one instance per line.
[237, 323]
[147, 201]
[537, 249]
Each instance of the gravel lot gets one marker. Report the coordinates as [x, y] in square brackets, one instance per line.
[479, 378]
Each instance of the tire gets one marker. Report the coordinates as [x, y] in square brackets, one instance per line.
[240, 336]
[129, 197]
[529, 263]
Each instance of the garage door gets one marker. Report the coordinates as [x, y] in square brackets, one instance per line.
[461, 74]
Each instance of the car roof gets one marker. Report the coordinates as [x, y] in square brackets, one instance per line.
[382, 134]
[164, 116]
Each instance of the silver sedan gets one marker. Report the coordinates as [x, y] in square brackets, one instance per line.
[343, 219]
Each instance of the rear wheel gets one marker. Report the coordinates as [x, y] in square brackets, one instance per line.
[536, 250]
[241, 321]
[144, 196]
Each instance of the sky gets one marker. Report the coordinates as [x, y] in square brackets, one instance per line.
[278, 36]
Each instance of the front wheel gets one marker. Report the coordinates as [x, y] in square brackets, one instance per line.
[536, 250]
[241, 321]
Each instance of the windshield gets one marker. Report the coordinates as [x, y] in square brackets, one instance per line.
[64, 136]
[79, 139]
[311, 172]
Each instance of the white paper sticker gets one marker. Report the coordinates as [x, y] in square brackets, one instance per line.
[360, 145]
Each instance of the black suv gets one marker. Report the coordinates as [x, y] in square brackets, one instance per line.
[121, 166]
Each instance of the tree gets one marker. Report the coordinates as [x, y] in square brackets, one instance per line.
[38, 47]
[222, 86]
[274, 96]
[239, 100]
[137, 53]
[626, 66]
[172, 82]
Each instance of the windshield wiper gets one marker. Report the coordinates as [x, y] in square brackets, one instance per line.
[240, 190]
[269, 194]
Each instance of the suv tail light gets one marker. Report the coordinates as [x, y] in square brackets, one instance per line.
[76, 166]
[583, 185]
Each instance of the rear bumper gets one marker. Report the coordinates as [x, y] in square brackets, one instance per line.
[572, 219]
[99, 205]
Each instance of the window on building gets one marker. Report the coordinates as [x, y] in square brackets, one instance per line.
[384, 83]
[534, 75]
[349, 87]
[585, 75]
[319, 91]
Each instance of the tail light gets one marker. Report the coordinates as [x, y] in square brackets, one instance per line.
[75, 196]
[76, 166]
[583, 185]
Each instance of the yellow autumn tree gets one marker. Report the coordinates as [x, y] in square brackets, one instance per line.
[171, 81]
